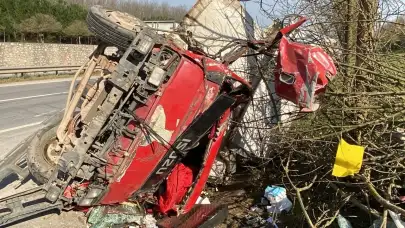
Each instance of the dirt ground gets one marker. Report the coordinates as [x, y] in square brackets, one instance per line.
[64, 220]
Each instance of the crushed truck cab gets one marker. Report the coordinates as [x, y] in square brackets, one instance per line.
[141, 139]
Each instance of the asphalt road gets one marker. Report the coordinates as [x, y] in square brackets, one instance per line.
[23, 106]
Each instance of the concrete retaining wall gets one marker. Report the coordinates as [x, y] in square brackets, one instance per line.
[43, 54]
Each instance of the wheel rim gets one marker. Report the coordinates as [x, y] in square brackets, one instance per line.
[124, 20]
[51, 155]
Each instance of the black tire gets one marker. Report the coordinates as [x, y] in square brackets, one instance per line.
[39, 164]
[113, 27]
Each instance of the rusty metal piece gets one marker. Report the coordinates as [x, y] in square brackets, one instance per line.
[53, 151]
[107, 64]
[76, 98]
[93, 100]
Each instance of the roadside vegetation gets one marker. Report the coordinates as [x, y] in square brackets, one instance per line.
[63, 21]
[5, 80]
[364, 105]
[37, 77]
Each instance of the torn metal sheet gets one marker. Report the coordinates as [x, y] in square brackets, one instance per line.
[302, 72]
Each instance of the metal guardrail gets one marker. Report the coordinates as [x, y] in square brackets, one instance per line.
[22, 70]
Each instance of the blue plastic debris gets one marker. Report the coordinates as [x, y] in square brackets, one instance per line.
[275, 194]
[343, 222]
[278, 199]
[270, 221]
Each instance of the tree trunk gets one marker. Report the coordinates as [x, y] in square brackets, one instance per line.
[366, 20]
[364, 47]
[350, 34]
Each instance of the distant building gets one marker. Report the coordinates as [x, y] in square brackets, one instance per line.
[162, 25]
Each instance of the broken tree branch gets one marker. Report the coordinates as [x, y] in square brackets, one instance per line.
[299, 197]
[387, 204]
[355, 202]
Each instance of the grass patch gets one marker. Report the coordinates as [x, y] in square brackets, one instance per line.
[40, 77]
[395, 60]
[32, 78]
[398, 60]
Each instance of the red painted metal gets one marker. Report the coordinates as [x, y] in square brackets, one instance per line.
[292, 27]
[186, 95]
[302, 72]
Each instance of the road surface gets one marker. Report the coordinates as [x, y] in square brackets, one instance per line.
[23, 106]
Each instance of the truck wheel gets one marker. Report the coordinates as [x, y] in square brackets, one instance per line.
[114, 27]
[42, 157]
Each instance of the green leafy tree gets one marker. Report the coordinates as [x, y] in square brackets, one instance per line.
[78, 29]
[40, 24]
[14, 13]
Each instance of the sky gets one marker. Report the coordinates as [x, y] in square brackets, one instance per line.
[252, 7]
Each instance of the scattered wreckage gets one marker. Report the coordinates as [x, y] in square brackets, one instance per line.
[160, 113]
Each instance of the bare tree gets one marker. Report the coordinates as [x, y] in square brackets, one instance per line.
[364, 106]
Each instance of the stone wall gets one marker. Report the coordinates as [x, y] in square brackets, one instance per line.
[43, 54]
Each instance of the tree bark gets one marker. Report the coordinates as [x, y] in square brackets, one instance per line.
[364, 47]
[350, 34]
[365, 23]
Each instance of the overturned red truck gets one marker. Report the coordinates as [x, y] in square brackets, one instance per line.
[148, 131]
